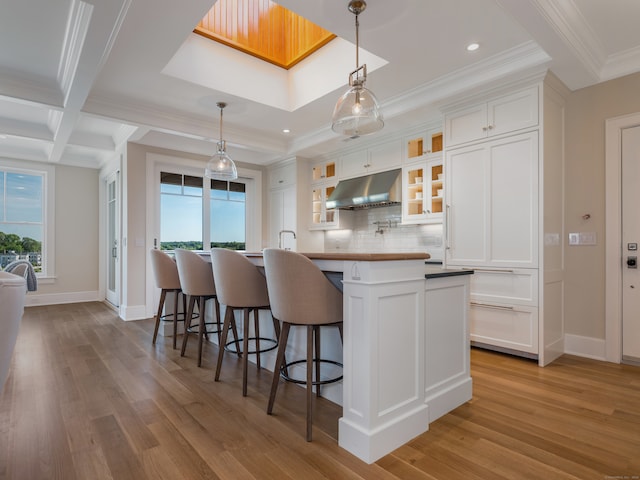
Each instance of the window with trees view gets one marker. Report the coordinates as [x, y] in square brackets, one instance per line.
[22, 222]
[198, 214]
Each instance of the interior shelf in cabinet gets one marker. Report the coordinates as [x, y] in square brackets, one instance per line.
[437, 188]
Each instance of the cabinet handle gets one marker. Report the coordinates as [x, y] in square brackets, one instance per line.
[490, 127]
[484, 129]
[495, 307]
[447, 218]
[280, 181]
[490, 270]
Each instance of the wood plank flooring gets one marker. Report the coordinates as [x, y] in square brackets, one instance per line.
[89, 397]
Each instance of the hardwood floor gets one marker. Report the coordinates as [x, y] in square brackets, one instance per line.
[89, 397]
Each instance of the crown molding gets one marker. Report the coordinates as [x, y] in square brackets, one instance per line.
[570, 26]
[619, 64]
[495, 71]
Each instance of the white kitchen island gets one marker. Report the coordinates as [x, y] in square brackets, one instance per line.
[406, 347]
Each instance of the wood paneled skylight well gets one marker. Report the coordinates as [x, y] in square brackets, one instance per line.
[264, 29]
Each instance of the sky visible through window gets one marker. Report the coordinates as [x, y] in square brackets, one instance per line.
[182, 210]
[21, 204]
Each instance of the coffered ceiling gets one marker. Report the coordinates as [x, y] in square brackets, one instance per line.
[79, 78]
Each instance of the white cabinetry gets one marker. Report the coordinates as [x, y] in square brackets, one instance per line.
[422, 144]
[492, 198]
[504, 309]
[502, 200]
[374, 159]
[323, 218]
[282, 176]
[422, 192]
[282, 204]
[322, 171]
[506, 114]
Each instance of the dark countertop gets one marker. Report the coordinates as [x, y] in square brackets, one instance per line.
[363, 257]
[434, 271]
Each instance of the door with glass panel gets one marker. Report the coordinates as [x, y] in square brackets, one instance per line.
[113, 235]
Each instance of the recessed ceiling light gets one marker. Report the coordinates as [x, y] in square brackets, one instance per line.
[286, 130]
[473, 46]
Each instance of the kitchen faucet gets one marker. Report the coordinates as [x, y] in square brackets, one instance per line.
[280, 236]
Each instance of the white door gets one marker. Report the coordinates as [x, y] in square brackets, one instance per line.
[113, 234]
[630, 244]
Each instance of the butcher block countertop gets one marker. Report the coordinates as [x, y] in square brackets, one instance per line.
[363, 257]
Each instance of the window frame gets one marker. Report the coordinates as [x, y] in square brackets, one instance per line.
[184, 166]
[48, 208]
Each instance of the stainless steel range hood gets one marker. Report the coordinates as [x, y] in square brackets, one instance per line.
[375, 190]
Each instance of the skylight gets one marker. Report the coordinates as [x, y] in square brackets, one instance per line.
[263, 29]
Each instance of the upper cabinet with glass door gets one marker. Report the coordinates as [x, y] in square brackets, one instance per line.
[323, 171]
[323, 218]
[422, 177]
[422, 191]
[422, 145]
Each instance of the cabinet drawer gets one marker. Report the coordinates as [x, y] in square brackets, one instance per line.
[514, 327]
[517, 286]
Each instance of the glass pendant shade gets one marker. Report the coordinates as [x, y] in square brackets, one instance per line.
[357, 113]
[220, 166]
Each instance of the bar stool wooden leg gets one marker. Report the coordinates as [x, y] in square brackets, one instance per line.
[202, 330]
[175, 318]
[228, 320]
[187, 324]
[282, 345]
[256, 327]
[217, 309]
[163, 295]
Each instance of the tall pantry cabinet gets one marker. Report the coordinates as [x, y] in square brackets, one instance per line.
[503, 215]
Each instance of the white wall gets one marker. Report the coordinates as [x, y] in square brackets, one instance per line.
[587, 110]
[76, 239]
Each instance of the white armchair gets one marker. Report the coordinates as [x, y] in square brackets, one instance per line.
[12, 293]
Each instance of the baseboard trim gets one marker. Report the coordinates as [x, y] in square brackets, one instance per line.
[133, 312]
[39, 299]
[589, 347]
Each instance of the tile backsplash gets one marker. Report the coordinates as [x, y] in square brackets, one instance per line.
[381, 230]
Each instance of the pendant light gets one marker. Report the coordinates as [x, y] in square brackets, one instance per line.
[357, 111]
[220, 166]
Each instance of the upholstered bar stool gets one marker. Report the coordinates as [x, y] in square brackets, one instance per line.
[167, 280]
[241, 286]
[300, 294]
[196, 278]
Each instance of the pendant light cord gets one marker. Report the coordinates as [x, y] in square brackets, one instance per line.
[221, 146]
[357, 43]
[221, 110]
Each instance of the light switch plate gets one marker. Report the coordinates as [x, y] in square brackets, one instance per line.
[583, 238]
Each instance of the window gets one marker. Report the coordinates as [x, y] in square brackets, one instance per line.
[227, 213]
[23, 217]
[198, 213]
